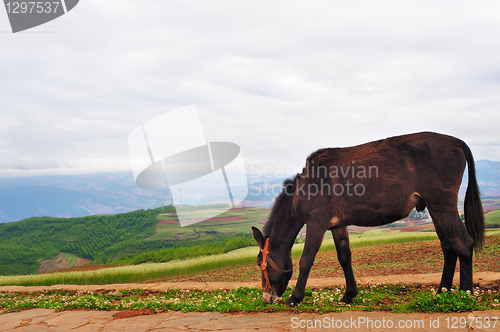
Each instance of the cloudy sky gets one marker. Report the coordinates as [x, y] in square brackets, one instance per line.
[279, 78]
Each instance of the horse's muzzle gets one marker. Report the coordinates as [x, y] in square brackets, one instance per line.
[270, 297]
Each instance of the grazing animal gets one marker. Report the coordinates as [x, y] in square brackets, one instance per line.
[372, 184]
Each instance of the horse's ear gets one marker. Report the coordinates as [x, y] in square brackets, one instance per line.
[258, 237]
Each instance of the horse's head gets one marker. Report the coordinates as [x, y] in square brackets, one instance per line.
[274, 278]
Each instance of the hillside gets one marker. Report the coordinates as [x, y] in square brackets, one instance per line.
[125, 236]
[492, 219]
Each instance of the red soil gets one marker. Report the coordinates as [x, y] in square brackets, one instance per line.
[392, 259]
[168, 221]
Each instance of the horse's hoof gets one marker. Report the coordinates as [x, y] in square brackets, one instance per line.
[290, 302]
[346, 300]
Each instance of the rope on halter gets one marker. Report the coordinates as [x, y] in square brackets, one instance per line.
[263, 265]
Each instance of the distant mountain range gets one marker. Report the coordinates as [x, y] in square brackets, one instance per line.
[111, 193]
[488, 176]
[75, 196]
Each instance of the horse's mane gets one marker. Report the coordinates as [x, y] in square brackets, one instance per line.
[286, 192]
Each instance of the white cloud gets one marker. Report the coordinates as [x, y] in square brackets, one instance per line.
[281, 79]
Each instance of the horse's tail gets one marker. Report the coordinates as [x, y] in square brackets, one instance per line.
[473, 209]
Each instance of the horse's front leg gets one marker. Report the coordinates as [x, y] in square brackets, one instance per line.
[314, 237]
[341, 238]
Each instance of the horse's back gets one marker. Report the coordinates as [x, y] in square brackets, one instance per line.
[382, 181]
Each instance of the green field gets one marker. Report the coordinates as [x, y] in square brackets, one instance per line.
[238, 220]
[70, 259]
[492, 217]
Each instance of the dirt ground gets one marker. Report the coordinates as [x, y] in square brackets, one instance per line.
[60, 263]
[485, 280]
[421, 257]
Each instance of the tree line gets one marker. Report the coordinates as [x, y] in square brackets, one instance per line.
[119, 238]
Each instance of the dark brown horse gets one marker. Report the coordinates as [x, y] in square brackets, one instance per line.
[371, 185]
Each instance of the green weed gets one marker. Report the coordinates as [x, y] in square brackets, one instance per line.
[395, 298]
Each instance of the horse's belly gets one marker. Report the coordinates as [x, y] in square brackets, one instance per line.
[376, 217]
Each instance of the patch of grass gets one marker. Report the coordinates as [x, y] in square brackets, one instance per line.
[396, 298]
[445, 302]
[70, 258]
[492, 217]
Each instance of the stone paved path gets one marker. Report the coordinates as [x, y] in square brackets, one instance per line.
[103, 321]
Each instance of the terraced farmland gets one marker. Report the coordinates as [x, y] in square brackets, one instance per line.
[235, 221]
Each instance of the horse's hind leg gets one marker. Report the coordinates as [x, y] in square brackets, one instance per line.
[341, 238]
[455, 241]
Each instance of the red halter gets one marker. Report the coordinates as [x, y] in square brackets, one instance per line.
[263, 265]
